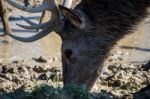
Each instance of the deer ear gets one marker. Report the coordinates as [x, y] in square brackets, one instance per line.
[73, 17]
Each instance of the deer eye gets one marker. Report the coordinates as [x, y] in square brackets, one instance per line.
[68, 53]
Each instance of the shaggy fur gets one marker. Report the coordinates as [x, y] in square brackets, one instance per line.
[107, 21]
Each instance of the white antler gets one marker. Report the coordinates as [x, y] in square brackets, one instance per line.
[67, 3]
[54, 24]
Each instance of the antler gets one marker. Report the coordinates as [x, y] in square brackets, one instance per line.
[67, 3]
[54, 24]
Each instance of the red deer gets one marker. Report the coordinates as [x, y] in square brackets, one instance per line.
[88, 32]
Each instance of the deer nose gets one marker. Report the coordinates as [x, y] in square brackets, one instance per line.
[68, 53]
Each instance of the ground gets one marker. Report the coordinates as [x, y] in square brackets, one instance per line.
[19, 80]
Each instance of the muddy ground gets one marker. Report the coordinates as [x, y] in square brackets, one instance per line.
[118, 81]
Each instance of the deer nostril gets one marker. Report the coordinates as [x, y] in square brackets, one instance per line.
[68, 53]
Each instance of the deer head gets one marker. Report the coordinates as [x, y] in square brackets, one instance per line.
[87, 34]
[78, 52]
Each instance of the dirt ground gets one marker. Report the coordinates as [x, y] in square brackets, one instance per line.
[118, 81]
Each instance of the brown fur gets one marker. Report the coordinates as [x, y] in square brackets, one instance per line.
[106, 21]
